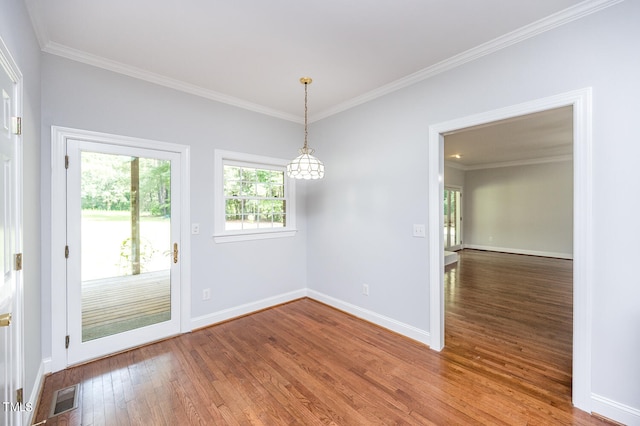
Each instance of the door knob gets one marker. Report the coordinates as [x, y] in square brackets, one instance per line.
[5, 320]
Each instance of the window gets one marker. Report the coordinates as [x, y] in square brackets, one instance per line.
[254, 198]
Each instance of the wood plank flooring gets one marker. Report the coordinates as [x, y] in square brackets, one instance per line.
[308, 364]
[113, 305]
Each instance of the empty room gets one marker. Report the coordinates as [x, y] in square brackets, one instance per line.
[233, 213]
[508, 233]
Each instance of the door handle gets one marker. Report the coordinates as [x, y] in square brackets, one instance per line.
[5, 320]
[175, 252]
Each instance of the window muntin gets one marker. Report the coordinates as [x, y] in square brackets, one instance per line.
[253, 198]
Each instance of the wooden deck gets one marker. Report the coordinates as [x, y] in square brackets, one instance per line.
[506, 362]
[114, 305]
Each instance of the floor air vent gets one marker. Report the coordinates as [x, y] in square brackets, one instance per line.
[64, 400]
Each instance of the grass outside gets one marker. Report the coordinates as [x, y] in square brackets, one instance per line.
[106, 243]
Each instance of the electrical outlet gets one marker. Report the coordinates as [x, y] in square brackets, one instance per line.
[195, 228]
[365, 289]
[206, 294]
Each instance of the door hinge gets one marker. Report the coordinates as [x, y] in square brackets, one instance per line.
[20, 396]
[18, 262]
[66, 161]
[66, 341]
[66, 252]
[16, 125]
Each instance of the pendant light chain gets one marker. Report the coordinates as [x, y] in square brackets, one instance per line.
[306, 86]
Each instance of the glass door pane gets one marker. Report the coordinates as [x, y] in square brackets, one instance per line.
[123, 236]
[125, 243]
[452, 219]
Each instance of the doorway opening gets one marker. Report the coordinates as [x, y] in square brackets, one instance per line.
[580, 100]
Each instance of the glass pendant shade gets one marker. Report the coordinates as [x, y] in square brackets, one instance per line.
[305, 166]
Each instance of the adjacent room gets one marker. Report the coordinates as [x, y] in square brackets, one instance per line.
[508, 233]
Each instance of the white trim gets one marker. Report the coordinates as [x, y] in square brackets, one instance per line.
[59, 137]
[615, 410]
[528, 31]
[406, 330]
[172, 83]
[10, 66]
[46, 365]
[517, 163]
[35, 394]
[553, 254]
[37, 22]
[582, 234]
[259, 161]
[246, 309]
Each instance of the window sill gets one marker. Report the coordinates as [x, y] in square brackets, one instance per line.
[249, 236]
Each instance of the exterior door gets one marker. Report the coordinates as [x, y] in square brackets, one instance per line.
[452, 219]
[123, 240]
[10, 284]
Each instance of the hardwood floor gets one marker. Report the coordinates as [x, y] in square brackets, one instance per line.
[511, 316]
[506, 361]
[114, 305]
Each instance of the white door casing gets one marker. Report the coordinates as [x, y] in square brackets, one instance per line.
[581, 100]
[61, 138]
[11, 296]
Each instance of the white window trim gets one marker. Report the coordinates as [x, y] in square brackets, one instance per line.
[220, 235]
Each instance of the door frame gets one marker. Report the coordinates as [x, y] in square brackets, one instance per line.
[8, 65]
[59, 138]
[581, 100]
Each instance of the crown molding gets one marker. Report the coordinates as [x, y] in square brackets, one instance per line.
[120, 68]
[563, 17]
[528, 31]
[37, 23]
[515, 163]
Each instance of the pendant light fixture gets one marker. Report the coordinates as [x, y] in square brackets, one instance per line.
[305, 166]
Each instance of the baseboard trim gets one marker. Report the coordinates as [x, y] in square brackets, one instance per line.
[614, 410]
[373, 317]
[406, 330]
[520, 251]
[32, 402]
[247, 308]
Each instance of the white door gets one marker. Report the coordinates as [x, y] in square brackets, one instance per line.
[10, 291]
[123, 239]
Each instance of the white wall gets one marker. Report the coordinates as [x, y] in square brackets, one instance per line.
[240, 273]
[16, 32]
[453, 176]
[360, 217]
[520, 209]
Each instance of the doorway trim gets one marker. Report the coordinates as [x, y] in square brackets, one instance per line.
[581, 100]
[59, 137]
[9, 65]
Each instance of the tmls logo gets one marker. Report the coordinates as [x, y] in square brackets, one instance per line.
[8, 406]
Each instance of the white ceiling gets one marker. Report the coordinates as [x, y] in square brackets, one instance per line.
[540, 137]
[251, 53]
